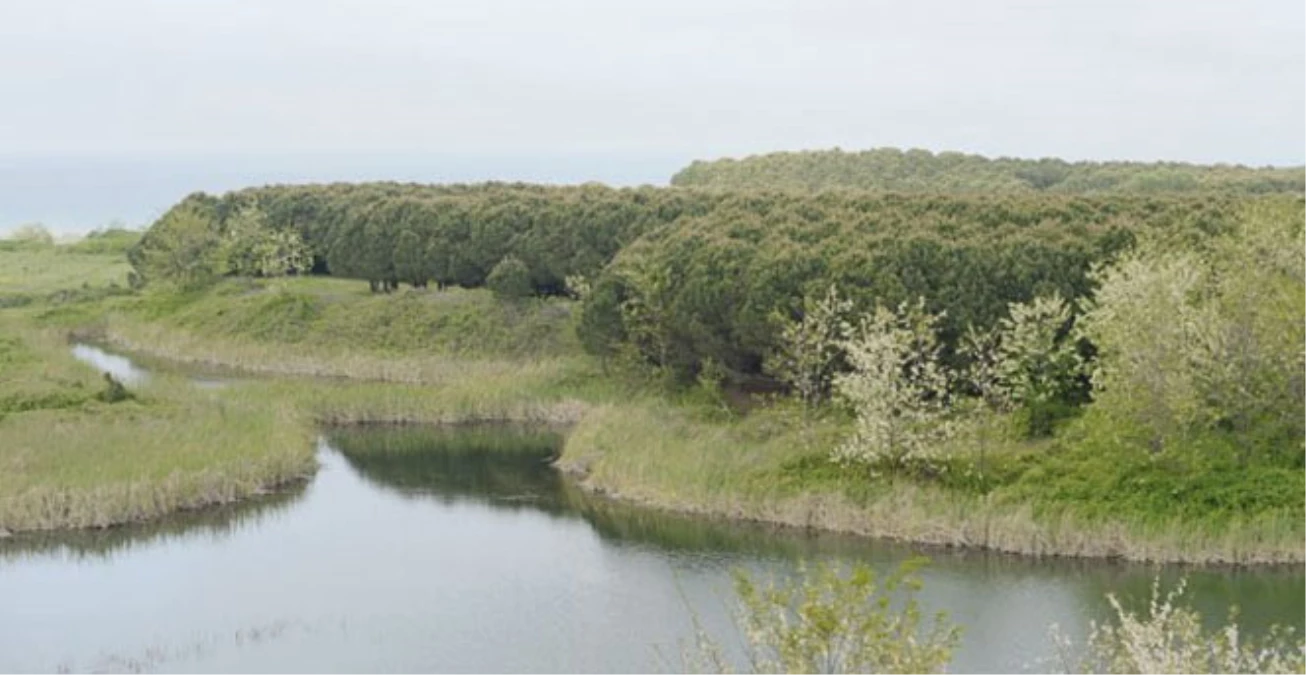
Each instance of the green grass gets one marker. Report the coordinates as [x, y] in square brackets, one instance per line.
[336, 314]
[771, 466]
[70, 459]
[43, 270]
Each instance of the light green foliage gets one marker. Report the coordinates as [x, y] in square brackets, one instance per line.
[182, 248]
[113, 240]
[809, 349]
[1204, 338]
[578, 286]
[831, 621]
[1029, 362]
[251, 248]
[646, 314]
[510, 279]
[896, 387]
[1037, 362]
[1169, 638]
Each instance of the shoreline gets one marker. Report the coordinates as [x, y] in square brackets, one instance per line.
[910, 515]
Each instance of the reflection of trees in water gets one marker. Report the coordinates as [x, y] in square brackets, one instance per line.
[502, 466]
[506, 467]
[213, 521]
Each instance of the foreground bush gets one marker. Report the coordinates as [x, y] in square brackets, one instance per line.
[1169, 638]
[836, 622]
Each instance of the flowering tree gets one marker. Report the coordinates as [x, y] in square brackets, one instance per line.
[896, 387]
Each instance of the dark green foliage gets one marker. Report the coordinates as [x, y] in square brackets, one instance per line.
[891, 169]
[386, 233]
[712, 286]
[510, 279]
[113, 391]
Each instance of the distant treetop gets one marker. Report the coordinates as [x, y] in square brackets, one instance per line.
[894, 170]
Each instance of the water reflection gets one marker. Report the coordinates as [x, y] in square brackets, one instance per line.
[422, 549]
[213, 523]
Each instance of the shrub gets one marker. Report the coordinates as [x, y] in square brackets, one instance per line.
[510, 279]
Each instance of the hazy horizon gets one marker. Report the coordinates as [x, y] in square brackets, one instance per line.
[115, 110]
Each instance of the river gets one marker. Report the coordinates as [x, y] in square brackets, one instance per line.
[419, 549]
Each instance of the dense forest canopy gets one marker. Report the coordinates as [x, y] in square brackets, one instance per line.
[894, 170]
[679, 277]
[387, 233]
[718, 286]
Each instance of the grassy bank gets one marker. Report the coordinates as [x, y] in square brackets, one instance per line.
[772, 467]
[75, 452]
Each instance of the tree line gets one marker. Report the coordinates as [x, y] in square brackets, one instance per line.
[679, 278]
[894, 170]
[388, 233]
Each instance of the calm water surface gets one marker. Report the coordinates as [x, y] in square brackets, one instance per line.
[461, 550]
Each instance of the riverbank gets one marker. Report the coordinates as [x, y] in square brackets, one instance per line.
[427, 356]
[766, 466]
[78, 449]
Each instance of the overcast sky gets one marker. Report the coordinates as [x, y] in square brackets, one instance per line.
[1196, 80]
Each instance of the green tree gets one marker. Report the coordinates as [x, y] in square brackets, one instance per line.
[510, 279]
[181, 248]
[1207, 337]
[808, 353]
[410, 259]
[251, 248]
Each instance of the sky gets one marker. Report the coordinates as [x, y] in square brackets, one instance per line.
[642, 86]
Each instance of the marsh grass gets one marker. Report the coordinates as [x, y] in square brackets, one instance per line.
[658, 455]
[69, 458]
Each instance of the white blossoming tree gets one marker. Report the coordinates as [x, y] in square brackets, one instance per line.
[896, 387]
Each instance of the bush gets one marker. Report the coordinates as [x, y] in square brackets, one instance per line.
[510, 279]
[835, 622]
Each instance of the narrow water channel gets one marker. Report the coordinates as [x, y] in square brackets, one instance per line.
[462, 550]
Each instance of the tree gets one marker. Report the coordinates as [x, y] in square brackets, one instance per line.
[409, 259]
[1208, 336]
[251, 248]
[896, 388]
[1037, 365]
[809, 350]
[32, 234]
[1171, 638]
[181, 248]
[510, 279]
